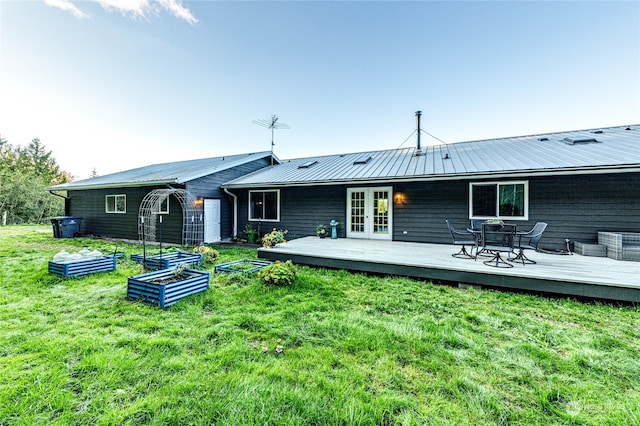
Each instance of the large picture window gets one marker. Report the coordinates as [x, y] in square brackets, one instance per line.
[116, 203]
[264, 205]
[499, 200]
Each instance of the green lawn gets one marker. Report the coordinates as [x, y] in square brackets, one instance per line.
[357, 350]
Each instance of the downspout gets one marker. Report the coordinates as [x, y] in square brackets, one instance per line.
[66, 202]
[58, 195]
[235, 212]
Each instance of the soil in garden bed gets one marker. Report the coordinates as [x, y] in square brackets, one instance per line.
[169, 279]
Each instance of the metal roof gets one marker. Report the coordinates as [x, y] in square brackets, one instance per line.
[615, 149]
[161, 174]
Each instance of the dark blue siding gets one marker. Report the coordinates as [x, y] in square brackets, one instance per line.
[575, 207]
[209, 187]
[90, 205]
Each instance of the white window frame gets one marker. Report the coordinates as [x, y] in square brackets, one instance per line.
[525, 215]
[368, 216]
[160, 211]
[115, 203]
[277, 219]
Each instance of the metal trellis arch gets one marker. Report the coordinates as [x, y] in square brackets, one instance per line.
[192, 215]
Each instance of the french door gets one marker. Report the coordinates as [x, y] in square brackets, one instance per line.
[369, 213]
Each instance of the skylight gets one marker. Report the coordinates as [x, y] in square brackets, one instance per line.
[362, 160]
[307, 164]
[580, 140]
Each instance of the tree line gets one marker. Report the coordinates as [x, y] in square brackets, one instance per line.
[24, 175]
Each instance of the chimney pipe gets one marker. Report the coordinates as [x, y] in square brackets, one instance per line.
[418, 114]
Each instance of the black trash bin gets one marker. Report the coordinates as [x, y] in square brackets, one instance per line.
[65, 226]
[56, 227]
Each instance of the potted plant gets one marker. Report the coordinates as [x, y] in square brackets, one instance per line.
[321, 231]
[251, 233]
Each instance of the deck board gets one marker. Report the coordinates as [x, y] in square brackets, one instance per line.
[573, 275]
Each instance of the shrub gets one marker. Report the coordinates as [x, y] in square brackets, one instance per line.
[274, 237]
[209, 255]
[279, 273]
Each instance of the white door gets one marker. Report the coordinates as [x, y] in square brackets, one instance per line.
[369, 213]
[211, 221]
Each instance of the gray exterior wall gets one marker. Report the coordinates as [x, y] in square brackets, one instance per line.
[90, 206]
[575, 207]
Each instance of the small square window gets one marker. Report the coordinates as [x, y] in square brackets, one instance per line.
[116, 203]
[264, 205]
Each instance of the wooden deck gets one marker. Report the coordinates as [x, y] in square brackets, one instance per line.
[571, 275]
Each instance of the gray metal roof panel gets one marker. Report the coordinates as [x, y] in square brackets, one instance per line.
[617, 147]
[166, 173]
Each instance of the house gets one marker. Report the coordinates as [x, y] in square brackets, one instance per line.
[180, 202]
[579, 182]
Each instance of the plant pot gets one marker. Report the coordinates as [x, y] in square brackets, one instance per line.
[251, 238]
[142, 287]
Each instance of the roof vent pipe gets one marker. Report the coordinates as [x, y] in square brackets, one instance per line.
[418, 114]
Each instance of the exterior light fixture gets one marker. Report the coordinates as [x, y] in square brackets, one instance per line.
[399, 197]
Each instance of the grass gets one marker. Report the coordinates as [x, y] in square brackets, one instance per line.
[358, 350]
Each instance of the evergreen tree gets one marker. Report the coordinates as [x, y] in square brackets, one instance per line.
[24, 175]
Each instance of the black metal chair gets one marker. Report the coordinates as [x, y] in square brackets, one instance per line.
[476, 224]
[476, 230]
[462, 238]
[497, 239]
[528, 241]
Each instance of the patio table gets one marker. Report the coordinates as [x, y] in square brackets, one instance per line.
[499, 238]
[477, 236]
[520, 256]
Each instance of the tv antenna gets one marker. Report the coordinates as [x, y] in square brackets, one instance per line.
[271, 124]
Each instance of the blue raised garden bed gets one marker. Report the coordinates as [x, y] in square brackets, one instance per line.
[85, 267]
[142, 287]
[169, 260]
[231, 267]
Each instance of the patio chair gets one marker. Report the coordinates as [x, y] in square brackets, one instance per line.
[497, 239]
[528, 241]
[476, 224]
[462, 238]
[476, 230]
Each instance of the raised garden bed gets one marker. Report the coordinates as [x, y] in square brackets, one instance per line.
[244, 266]
[168, 260]
[162, 288]
[85, 267]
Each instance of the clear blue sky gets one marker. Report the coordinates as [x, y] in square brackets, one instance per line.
[114, 89]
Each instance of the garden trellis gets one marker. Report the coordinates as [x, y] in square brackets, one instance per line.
[152, 206]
